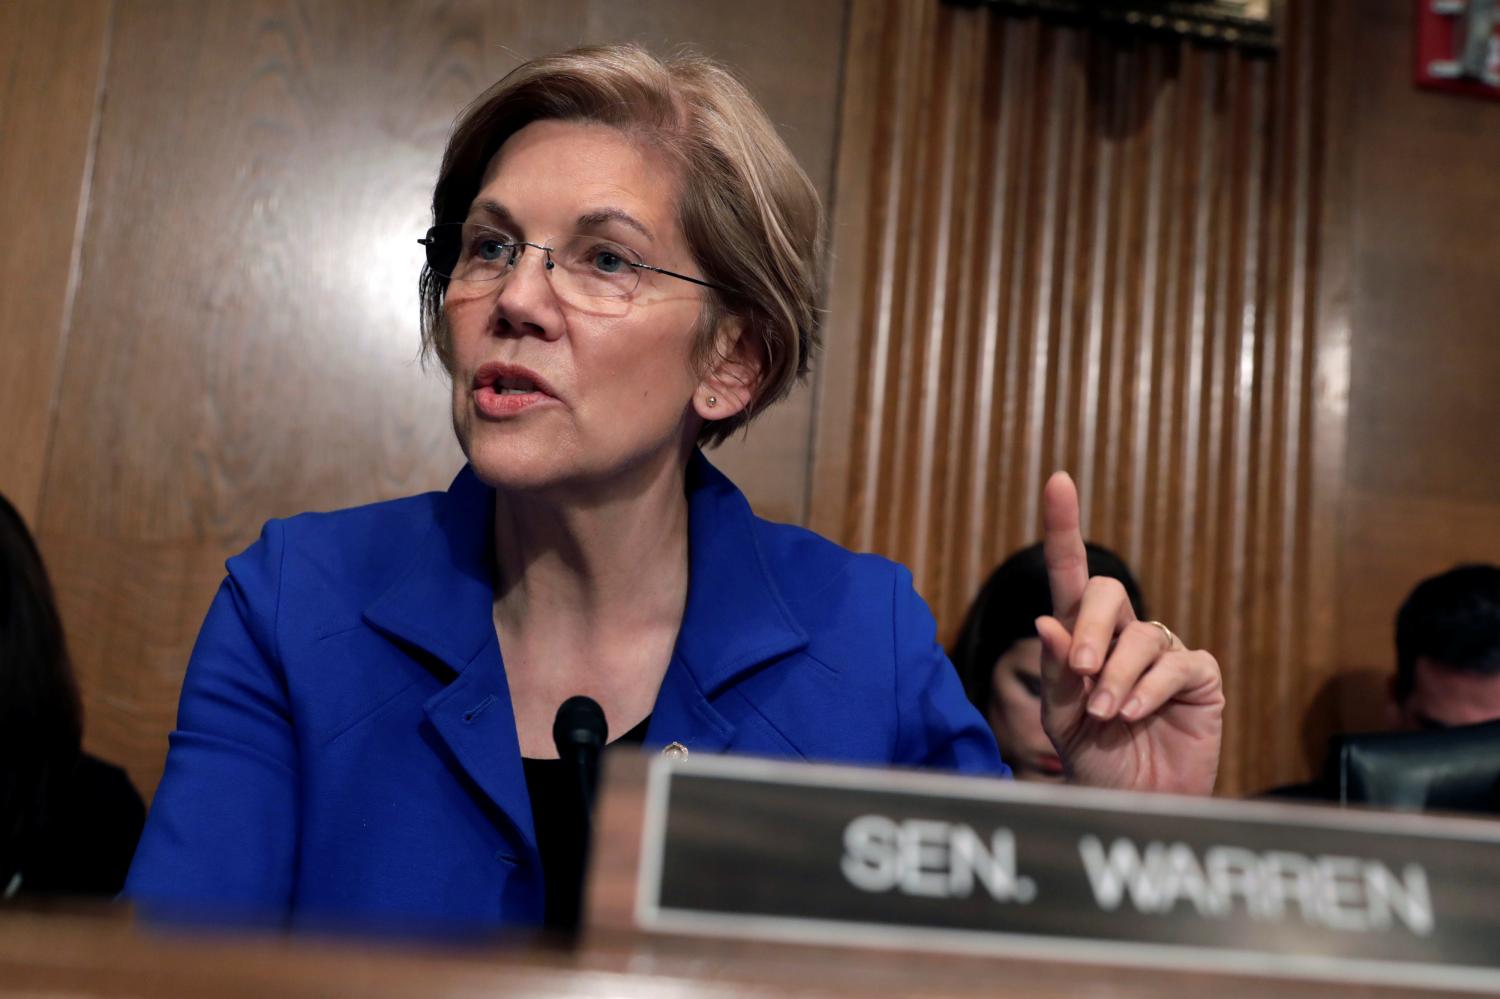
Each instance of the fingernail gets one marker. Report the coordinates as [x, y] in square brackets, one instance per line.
[1132, 708]
[1085, 660]
[1100, 704]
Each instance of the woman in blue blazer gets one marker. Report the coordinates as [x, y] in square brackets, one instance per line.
[621, 271]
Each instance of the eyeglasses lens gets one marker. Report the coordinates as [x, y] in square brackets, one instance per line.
[582, 266]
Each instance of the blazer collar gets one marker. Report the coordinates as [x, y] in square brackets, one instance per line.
[735, 617]
[441, 602]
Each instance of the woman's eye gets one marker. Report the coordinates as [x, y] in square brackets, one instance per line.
[608, 261]
[490, 250]
[1031, 684]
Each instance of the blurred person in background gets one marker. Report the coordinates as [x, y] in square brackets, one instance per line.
[1447, 670]
[999, 656]
[68, 821]
[1448, 651]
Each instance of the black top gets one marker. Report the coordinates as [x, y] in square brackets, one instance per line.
[87, 843]
[555, 806]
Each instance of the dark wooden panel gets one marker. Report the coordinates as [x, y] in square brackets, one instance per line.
[1424, 485]
[1336, 75]
[1058, 249]
[51, 58]
[245, 330]
[244, 341]
[1426, 363]
[1392, 542]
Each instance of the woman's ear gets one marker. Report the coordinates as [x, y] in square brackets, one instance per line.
[733, 376]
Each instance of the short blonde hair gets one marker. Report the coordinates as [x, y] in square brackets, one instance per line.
[750, 215]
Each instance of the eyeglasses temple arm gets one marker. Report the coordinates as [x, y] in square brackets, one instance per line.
[681, 277]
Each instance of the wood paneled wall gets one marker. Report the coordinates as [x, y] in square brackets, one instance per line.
[1063, 249]
[51, 62]
[1168, 268]
[1424, 389]
[241, 343]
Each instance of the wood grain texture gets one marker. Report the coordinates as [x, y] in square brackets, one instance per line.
[1424, 373]
[1327, 496]
[1426, 365]
[51, 58]
[1390, 543]
[244, 337]
[102, 953]
[1061, 249]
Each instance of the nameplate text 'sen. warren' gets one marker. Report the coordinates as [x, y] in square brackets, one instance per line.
[914, 860]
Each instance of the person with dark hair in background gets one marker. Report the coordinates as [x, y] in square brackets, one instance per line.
[1447, 674]
[999, 656]
[68, 822]
[1448, 651]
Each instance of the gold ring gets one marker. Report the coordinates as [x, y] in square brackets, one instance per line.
[1172, 639]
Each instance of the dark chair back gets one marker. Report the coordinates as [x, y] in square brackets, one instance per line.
[1450, 770]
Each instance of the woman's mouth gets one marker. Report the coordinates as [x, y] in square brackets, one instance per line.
[506, 390]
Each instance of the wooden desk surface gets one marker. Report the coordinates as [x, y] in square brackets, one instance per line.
[106, 953]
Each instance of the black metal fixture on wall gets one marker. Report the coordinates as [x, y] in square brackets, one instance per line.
[1247, 23]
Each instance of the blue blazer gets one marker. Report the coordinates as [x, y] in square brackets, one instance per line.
[345, 744]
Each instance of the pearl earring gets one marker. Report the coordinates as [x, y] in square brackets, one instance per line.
[712, 401]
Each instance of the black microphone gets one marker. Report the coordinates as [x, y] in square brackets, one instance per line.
[579, 731]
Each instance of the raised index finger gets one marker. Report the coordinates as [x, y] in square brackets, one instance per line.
[1062, 546]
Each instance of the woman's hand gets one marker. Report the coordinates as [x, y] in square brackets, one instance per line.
[1124, 701]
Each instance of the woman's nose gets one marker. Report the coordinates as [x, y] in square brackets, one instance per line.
[525, 301]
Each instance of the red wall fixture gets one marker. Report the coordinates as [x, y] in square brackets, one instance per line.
[1458, 46]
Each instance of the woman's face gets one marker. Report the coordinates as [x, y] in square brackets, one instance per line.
[565, 390]
[1016, 713]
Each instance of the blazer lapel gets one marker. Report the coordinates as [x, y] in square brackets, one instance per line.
[735, 620]
[441, 608]
[441, 602]
[474, 719]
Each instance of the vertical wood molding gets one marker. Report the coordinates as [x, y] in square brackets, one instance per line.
[1061, 249]
[1332, 66]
